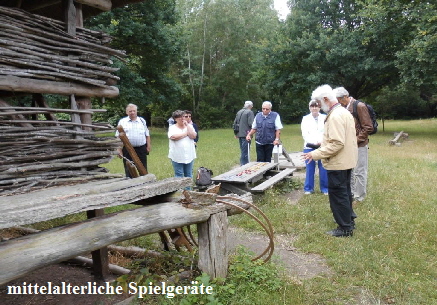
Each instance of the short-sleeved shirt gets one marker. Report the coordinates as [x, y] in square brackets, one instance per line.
[136, 131]
[183, 150]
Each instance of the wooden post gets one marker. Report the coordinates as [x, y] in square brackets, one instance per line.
[84, 103]
[213, 250]
[122, 135]
[100, 256]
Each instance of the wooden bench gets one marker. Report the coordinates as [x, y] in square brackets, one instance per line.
[273, 180]
[22, 255]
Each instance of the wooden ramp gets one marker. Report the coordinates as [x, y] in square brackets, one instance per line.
[273, 180]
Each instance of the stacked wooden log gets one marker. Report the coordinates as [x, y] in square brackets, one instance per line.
[37, 157]
[36, 47]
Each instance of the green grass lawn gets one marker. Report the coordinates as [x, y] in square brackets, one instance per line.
[391, 259]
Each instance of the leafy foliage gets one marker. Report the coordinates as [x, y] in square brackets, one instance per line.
[148, 33]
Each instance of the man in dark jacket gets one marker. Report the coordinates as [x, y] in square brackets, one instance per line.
[244, 120]
[363, 127]
[267, 125]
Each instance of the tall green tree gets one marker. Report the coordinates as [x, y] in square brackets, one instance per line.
[223, 42]
[148, 33]
[362, 45]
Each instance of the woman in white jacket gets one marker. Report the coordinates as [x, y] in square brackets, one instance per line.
[312, 132]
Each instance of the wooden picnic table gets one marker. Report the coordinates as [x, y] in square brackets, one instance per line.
[248, 173]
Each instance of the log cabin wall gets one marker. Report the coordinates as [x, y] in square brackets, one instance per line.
[44, 49]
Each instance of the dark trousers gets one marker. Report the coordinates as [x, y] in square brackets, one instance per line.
[142, 155]
[340, 197]
[264, 152]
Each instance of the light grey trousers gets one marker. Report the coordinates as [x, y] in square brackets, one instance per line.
[359, 174]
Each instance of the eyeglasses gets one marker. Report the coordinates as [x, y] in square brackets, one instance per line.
[265, 108]
[187, 116]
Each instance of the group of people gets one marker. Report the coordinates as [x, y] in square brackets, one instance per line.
[337, 141]
[183, 135]
[343, 151]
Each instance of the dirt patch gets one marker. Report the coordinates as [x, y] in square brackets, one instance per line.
[298, 264]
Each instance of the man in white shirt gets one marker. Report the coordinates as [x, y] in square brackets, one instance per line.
[138, 134]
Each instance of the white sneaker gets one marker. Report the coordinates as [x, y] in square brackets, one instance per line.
[326, 194]
[307, 193]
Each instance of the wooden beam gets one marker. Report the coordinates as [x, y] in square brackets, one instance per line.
[57, 202]
[23, 84]
[25, 254]
[100, 256]
[36, 5]
[103, 5]
[140, 166]
[213, 250]
[70, 16]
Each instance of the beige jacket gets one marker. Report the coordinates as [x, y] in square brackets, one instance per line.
[339, 146]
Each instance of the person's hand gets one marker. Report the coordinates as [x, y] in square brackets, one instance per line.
[248, 138]
[308, 157]
[276, 142]
[120, 153]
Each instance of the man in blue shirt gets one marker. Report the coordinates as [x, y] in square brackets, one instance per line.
[267, 126]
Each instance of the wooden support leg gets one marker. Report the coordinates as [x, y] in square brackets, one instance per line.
[213, 250]
[100, 256]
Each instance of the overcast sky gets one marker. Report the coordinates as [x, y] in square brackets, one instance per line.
[281, 7]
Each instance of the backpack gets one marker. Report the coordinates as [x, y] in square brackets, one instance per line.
[203, 177]
[372, 115]
[236, 125]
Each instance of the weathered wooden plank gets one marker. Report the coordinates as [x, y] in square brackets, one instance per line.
[22, 255]
[57, 202]
[42, 109]
[246, 173]
[213, 250]
[23, 84]
[275, 179]
[104, 5]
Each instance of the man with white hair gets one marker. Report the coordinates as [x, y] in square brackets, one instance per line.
[243, 123]
[363, 126]
[138, 134]
[339, 155]
[267, 126]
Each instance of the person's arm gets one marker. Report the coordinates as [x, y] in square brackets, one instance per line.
[335, 141]
[249, 135]
[366, 126]
[196, 129]
[148, 144]
[277, 137]
[278, 127]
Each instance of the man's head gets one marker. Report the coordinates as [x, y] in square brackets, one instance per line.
[342, 96]
[325, 96]
[248, 105]
[131, 111]
[266, 107]
[188, 114]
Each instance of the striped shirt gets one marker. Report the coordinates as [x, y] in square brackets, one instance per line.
[136, 131]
